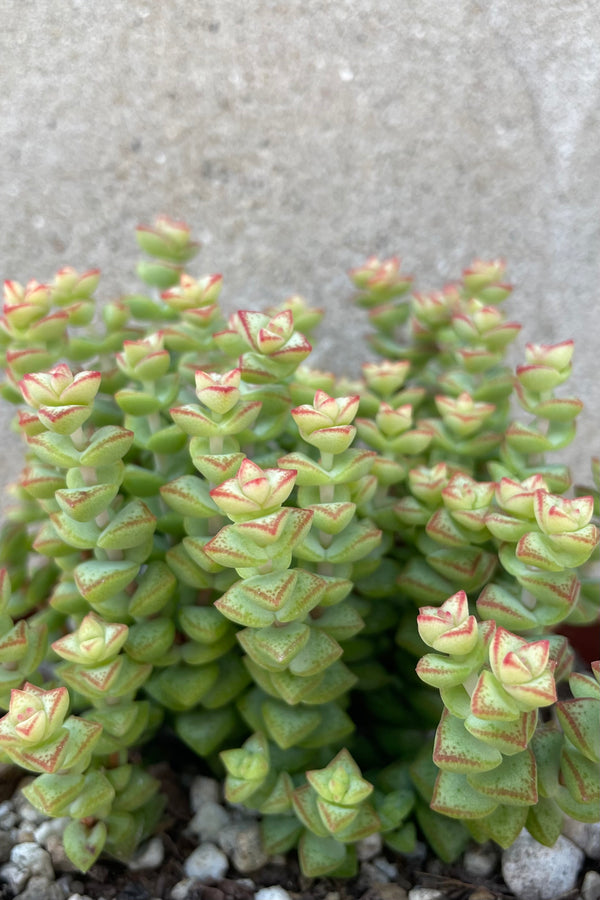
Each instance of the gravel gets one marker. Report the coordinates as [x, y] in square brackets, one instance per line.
[207, 861]
[193, 858]
[535, 872]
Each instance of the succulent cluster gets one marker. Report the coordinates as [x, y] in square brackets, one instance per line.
[339, 594]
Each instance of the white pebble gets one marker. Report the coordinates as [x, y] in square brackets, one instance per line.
[535, 872]
[248, 853]
[480, 862]
[590, 889]
[585, 835]
[390, 870]
[33, 860]
[425, 893]
[51, 827]
[203, 790]
[180, 890]
[207, 861]
[8, 816]
[209, 821]
[272, 893]
[14, 876]
[149, 856]
[369, 847]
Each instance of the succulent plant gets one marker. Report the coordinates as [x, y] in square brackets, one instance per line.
[339, 594]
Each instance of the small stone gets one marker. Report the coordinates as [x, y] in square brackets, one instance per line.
[332, 895]
[203, 790]
[369, 847]
[79, 897]
[482, 894]
[272, 893]
[535, 872]
[25, 835]
[38, 887]
[248, 852]
[207, 861]
[585, 835]
[386, 892]
[149, 856]
[14, 876]
[590, 889]
[180, 890]
[8, 816]
[6, 845]
[33, 860]
[50, 827]
[390, 870]
[209, 821]
[371, 875]
[425, 893]
[480, 862]
[30, 815]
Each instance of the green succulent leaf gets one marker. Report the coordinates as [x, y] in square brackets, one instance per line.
[83, 843]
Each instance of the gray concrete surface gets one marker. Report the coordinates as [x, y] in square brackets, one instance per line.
[299, 137]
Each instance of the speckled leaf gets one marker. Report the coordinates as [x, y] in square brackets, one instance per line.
[332, 517]
[544, 821]
[334, 726]
[154, 589]
[490, 701]
[95, 798]
[107, 446]
[205, 730]
[97, 580]
[340, 622]
[54, 449]
[189, 496]
[456, 750]
[147, 641]
[335, 817]
[505, 824]
[469, 567]
[320, 856]
[547, 744]
[496, 603]
[455, 797]
[52, 794]
[83, 504]
[513, 782]
[81, 535]
[508, 737]
[288, 726]
[131, 526]
[216, 468]
[319, 652]
[304, 800]
[442, 671]
[274, 647]
[280, 833]
[185, 569]
[83, 844]
[204, 624]
[579, 720]
[580, 775]
[447, 837]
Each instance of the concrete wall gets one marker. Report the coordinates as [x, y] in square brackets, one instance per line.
[299, 137]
